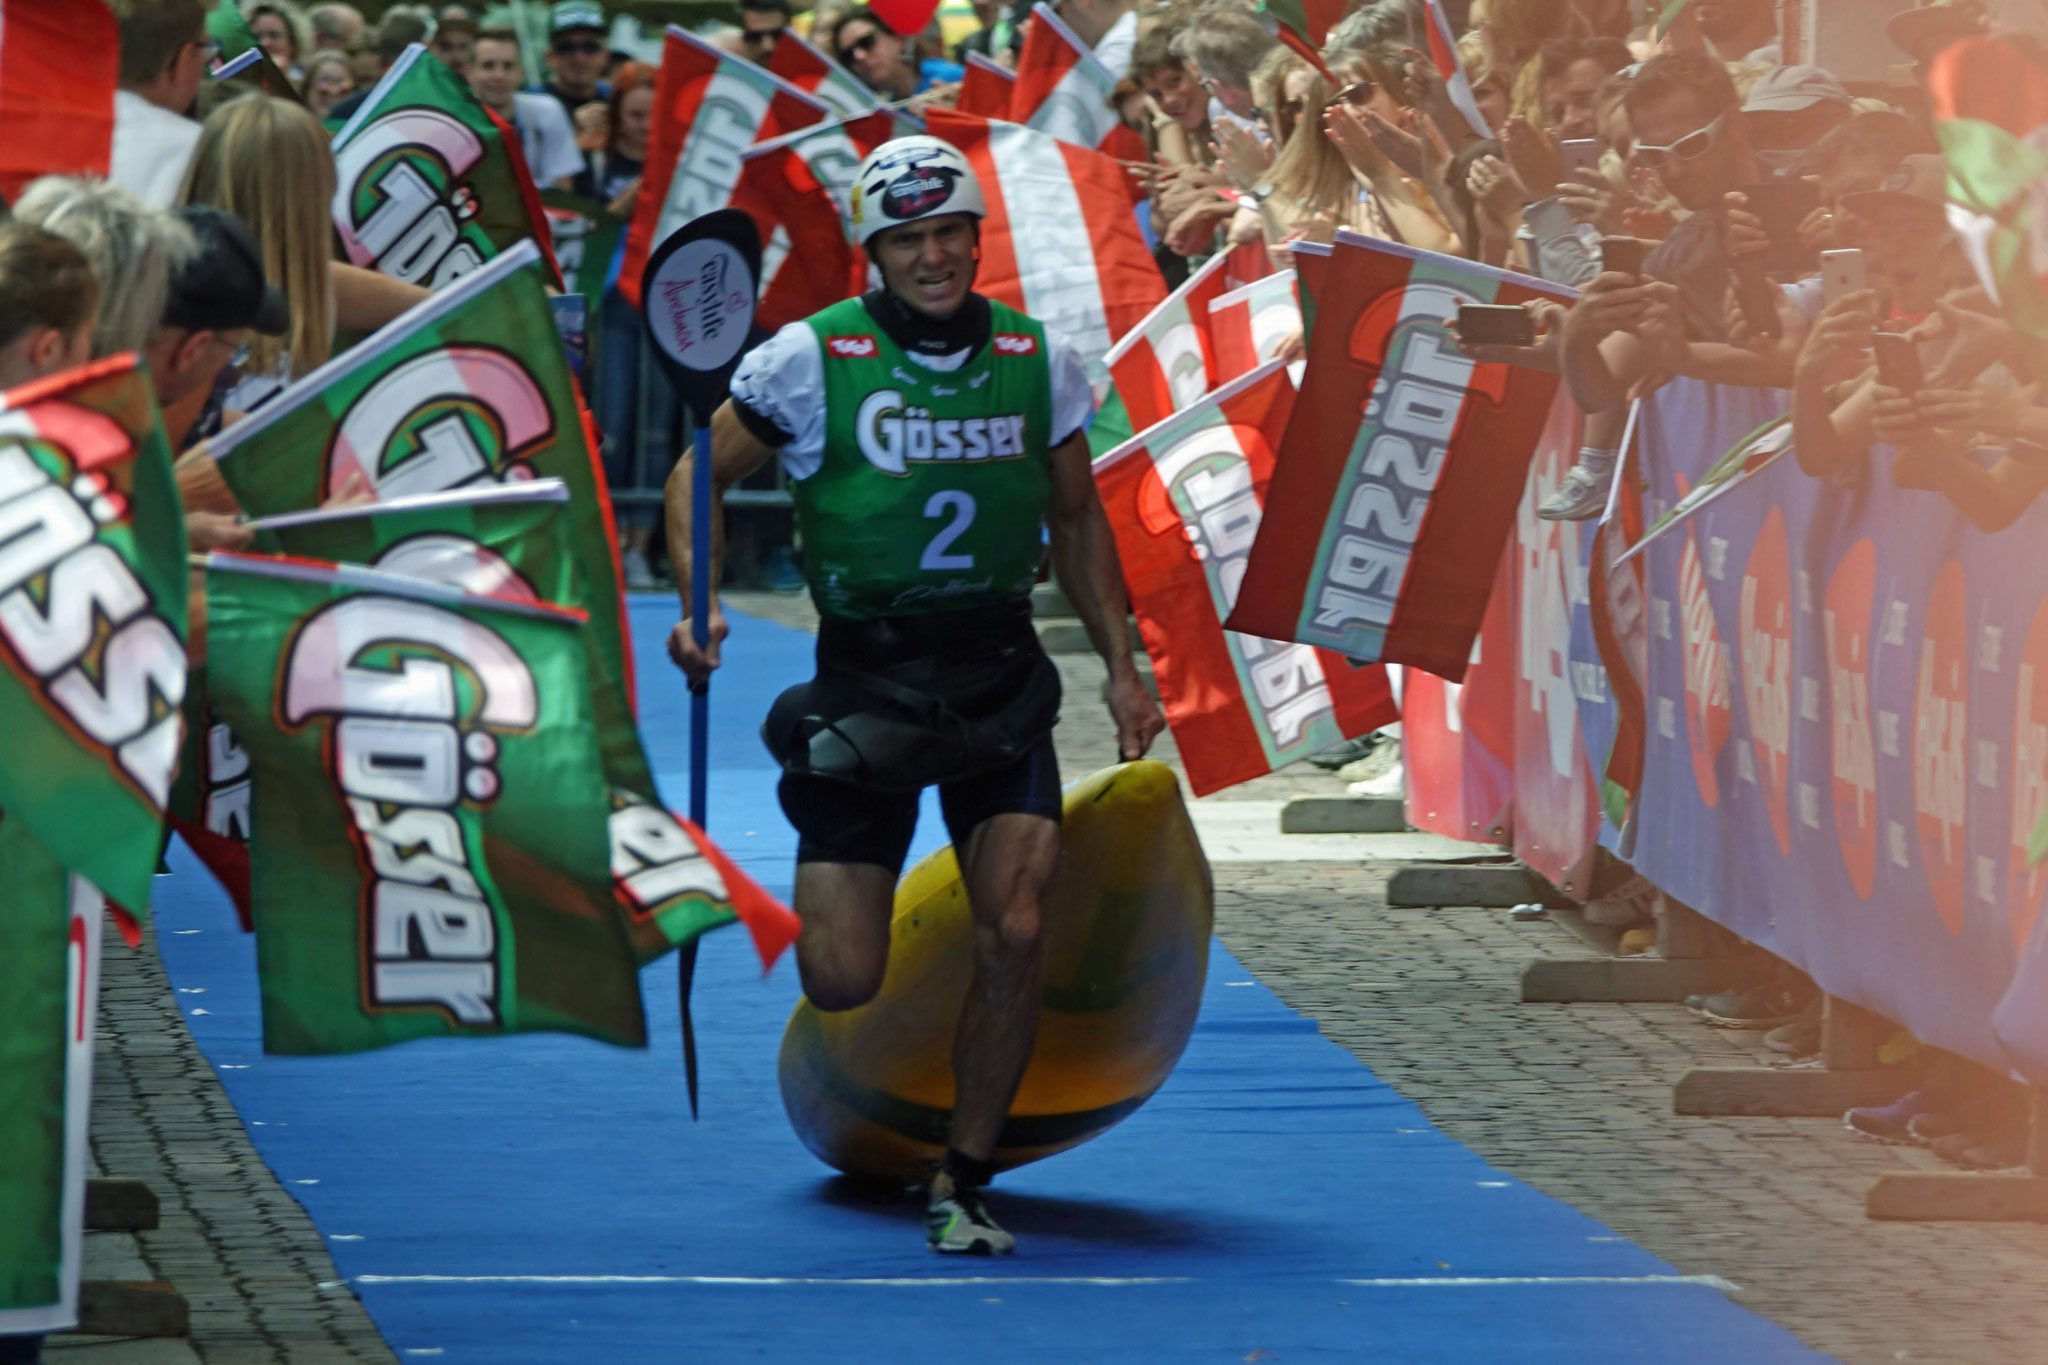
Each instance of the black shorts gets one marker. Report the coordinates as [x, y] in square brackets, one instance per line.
[837, 822]
[841, 822]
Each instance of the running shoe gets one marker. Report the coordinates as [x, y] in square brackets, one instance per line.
[1349, 751]
[639, 577]
[1581, 497]
[1760, 1007]
[959, 1225]
[1891, 1123]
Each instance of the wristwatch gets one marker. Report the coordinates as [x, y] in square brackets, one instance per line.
[1260, 192]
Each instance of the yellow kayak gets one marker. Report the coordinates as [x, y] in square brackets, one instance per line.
[1126, 931]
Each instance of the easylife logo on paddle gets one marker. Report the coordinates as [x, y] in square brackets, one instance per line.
[452, 416]
[401, 202]
[1209, 482]
[1941, 725]
[894, 437]
[1766, 637]
[75, 621]
[415, 698]
[1846, 627]
[2026, 885]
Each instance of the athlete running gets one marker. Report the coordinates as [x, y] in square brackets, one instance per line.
[931, 436]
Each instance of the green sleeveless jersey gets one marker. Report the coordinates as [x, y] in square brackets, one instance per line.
[932, 490]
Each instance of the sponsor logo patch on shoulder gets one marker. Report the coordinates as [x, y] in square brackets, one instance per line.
[1016, 343]
[860, 346]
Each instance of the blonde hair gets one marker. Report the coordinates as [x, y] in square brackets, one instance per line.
[132, 248]
[267, 161]
[1309, 168]
[1518, 29]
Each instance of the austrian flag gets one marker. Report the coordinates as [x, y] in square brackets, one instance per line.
[1397, 485]
[1184, 501]
[709, 107]
[1166, 362]
[1059, 242]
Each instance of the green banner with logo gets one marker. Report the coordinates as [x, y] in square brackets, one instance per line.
[49, 941]
[510, 541]
[431, 186]
[92, 621]
[430, 855]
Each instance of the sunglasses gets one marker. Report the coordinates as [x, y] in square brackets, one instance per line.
[1691, 147]
[1358, 94]
[754, 37]
[588, 47]
[859, 46]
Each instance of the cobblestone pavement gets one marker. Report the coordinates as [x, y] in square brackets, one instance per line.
[1575, 1099]
[240, 1249]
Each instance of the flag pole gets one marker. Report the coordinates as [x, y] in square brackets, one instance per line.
[697, 300]
[700, 710]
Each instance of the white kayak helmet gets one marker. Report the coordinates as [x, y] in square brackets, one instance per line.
[910, 178]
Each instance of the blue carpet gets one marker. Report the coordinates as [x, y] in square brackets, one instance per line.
[547, 1199]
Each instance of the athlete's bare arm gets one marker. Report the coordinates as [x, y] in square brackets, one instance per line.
[735, 453]
[1084, 557]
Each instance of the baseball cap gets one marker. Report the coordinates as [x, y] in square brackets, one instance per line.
[569, 15]
[1915, 29]
[221, 287]
[1919, 184]
[1788, 89]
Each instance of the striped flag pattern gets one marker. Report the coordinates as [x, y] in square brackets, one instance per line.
[801, 184]
[1062, 89]
[1443, 54]
[986, 89]
[817, 75]
[1060, 241]
[709, 107]
[1246, 324]
[1184, 501]
[1365, 562]
[1166, 362]
[58, 68]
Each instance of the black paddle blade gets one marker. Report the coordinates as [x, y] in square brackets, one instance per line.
[697, 298]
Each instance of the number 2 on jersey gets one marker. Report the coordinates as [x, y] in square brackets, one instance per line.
[962, 507]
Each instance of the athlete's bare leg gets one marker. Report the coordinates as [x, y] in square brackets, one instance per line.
[842, 950]
[1009, 861]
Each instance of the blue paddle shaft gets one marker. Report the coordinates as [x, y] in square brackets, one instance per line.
[700, 622]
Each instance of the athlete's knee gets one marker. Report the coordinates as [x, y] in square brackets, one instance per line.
[1013, 930]
[834, 982]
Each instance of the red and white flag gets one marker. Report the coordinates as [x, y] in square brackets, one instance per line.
[812, 72]
[1443, 54]
[59, 65]
[1184, 502]
[1166, 363]
[1246, 325]
[1060, 241]
[1062, 88]
[1398, 483]
[709, 107]
[986, 88]
[798, 188]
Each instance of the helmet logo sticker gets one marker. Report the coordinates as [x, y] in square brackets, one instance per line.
[918, 191]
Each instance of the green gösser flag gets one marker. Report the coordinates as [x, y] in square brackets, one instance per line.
[471, 391]
[508, 541]
[92, 621]
[429, 184]
[50, 943]
[430, 856]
